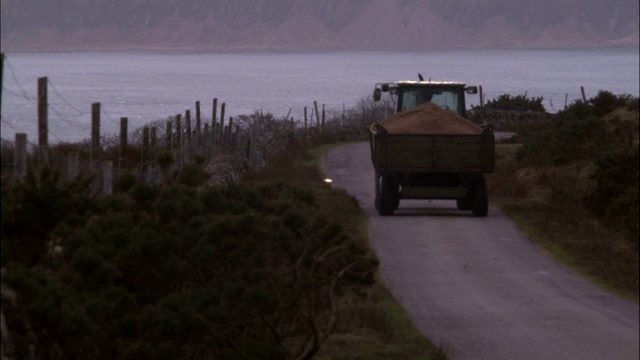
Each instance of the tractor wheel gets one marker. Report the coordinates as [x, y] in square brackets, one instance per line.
[480, 199]
[388, 195]
[376, 201]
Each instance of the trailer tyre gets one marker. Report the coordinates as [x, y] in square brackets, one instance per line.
[376, 201]
[388, 195]
[480, 199]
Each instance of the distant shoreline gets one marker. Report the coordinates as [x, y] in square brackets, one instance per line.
[235, 50]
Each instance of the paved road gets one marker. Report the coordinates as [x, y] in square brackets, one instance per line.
[480, 288]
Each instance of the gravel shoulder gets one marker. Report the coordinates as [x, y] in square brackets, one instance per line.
[478, 287]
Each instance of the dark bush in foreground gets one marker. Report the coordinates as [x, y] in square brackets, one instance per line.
[247, 271]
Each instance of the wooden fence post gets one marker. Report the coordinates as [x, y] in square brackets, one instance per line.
[1, 78]
[124, 123]
[252, 143]
[73, 165]
[305, 124]
[214, 112]
[198, 125]
[43, 132]
[220, 147]
[483, 117]
[179, 139]
[197, 132]
[20, 149]
[96, 150]
[213, 127]
[222, 111]
[315, 105]
[187, 123]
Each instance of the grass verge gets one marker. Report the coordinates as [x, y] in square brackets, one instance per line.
[375, 326]
[546, 204]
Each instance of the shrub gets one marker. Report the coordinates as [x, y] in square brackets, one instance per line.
[33, 208]
[606, 102]
[577, 133]
[246, 270]
[515, 103]
[616, 194]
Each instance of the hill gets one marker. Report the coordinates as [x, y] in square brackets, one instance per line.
[218, 25]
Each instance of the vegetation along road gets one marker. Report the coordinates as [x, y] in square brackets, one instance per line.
[478, 287]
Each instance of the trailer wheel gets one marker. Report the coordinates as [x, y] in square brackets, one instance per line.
[388, 195]
[376, 201]
[480, 199]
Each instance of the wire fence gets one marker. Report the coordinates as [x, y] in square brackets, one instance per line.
[157, 151]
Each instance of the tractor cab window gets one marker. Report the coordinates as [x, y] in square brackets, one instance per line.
[413, 98]
[446, 99]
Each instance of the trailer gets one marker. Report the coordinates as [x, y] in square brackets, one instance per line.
[430, 164]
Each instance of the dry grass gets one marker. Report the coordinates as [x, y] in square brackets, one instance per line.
[547, 203]
[374, 326]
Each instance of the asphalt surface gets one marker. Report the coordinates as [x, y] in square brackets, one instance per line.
[478, 287]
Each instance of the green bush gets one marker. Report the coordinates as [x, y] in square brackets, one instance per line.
[578, 133]
[606, 102]
[249, 270]
[616, 194]
[515, 103]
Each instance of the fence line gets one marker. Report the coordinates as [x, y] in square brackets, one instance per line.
[250, 139]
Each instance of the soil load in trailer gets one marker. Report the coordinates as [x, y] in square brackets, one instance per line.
[429, 118]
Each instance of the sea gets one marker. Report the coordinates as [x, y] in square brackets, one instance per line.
[147, 87]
